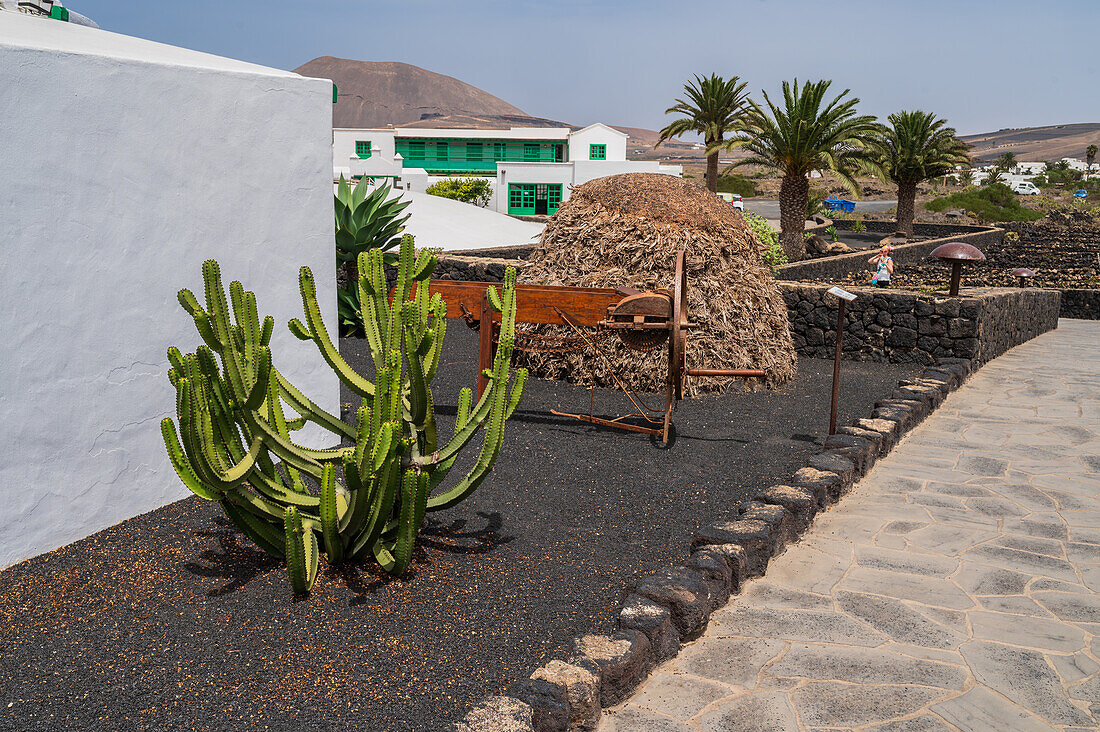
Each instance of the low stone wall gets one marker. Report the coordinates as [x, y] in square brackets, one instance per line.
[917, 327]
[474, 268]
[835, 268]
[1083, 304]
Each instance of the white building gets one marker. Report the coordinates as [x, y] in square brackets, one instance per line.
[532, 168]
[1029, 169]
[119, 175]
[1075, 164]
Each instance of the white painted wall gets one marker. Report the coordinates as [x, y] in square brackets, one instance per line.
[125, 164]
[597, 134]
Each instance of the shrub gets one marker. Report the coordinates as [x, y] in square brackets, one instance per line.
[995, 202]
[477, 191]
[769, 240]
[738, 184]
[859, 227]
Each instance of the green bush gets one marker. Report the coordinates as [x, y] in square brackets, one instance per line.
[477, 191]
[995, 202]
[773, 254]
[859, 227]
[738, 184]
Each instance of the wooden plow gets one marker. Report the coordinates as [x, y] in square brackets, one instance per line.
[642, 320]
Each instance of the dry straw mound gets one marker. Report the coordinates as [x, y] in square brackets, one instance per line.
[624, 230]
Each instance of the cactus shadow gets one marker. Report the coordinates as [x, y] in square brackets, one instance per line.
[238, 561]
[453, 537]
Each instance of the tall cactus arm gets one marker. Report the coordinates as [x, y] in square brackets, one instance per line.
[439, 472]
[181, 465]
[276, 417]
[330, 518]
[415, 349]
[517, 392]
[301, 552]
[494, 436]
[310, 411]
[280, 494]
[439, 330]
[381, 506]
[461, 436]
[396, 560]
[216, 304]
[317, 332]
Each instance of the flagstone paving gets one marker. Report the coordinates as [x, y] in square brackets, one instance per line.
[957, 587]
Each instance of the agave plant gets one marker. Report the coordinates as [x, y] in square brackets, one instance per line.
[363, 222]
[367, 499]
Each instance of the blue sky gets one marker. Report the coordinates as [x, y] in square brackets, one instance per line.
[982, 64]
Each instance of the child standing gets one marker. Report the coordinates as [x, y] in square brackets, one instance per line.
[884, 266]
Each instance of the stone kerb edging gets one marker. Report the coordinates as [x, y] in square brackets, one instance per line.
[673, 606]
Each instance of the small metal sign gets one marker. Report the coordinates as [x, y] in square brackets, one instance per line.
[842, 294]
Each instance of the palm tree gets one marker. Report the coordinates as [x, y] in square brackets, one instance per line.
[1090, 156]
[915, 148]
[1006, 162]
[804, 135]
[712, 108]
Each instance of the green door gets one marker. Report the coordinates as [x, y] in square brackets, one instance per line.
[531, 199]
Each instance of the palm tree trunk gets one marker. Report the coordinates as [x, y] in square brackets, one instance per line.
[712, 172]
[794, 193]
[907, 196]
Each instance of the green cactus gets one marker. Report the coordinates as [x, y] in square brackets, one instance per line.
[234, 443]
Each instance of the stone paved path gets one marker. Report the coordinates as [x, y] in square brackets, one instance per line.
[956, 587]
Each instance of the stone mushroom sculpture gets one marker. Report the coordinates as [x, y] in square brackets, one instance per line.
[1023, 273]
[957, 252]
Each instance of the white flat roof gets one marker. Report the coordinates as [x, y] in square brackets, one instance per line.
[27, 31]
[518, 133]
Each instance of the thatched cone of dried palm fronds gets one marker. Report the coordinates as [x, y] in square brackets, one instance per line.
[625, 230]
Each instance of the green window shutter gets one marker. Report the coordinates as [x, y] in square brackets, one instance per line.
[362, 149]
[499, 151]
[414, 150]
[531, 154]
[597, 152]
[473, 151]
[334, 94]
[442, 150]
[59, 13]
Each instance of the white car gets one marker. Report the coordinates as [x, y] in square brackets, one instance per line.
[735, 199]
[1025, 188]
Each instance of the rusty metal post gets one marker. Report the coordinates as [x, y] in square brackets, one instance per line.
[485, 345]
[956, 277]
[836, 365]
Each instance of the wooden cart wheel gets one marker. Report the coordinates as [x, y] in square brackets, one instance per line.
[677, 352]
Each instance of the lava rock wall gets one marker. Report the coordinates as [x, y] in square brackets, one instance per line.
[916, 327]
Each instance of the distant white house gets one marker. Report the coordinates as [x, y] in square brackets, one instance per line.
[1075, 164]
[531, 168]
[1029, 169]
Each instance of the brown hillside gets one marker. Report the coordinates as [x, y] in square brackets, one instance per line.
[380, 93]
[1028, 144]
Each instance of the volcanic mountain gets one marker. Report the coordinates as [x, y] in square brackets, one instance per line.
[380, 93]
[1052, 142]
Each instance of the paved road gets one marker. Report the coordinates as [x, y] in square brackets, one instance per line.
[957, 587]
[769, 208]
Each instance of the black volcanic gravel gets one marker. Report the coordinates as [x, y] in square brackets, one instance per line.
[173, 620]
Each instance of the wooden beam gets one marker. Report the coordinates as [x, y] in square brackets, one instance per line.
[585, 306]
